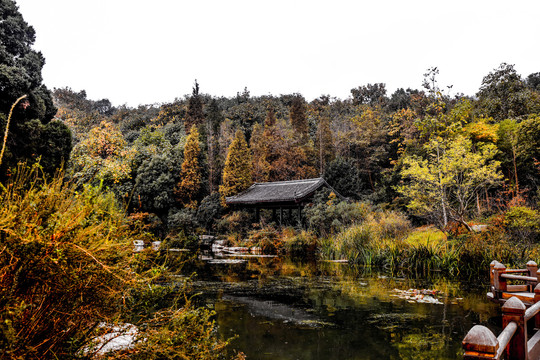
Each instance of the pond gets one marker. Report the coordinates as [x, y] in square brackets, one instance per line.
[280, 309]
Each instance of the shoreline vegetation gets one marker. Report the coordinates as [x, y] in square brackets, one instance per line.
[80, 180]
[386, 240]
[68, 276]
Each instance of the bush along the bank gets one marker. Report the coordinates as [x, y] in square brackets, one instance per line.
[68, 273]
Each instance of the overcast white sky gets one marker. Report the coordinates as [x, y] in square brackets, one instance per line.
[146, 51]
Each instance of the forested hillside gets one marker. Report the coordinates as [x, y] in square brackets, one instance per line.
[444, 159]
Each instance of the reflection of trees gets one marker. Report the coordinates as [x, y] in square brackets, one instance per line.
[367, 320]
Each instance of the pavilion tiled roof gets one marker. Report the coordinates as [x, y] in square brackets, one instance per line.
[293, 191]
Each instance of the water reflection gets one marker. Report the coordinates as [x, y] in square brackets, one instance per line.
[285, 310]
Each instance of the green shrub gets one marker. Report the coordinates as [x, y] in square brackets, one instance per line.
[523, 223]
[181, 241]
[235, 222]
[329, 215]
[391, 225]
[182, 220]
[209, 211]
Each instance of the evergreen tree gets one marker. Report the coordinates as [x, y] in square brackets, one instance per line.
[195, 114]
[343, 176]
[190, 184]
[270, 119]
[154, 184]
[213, 121]
[298, 116]
[30, 129]
[214, 117]
[504, 94]
[238, 171]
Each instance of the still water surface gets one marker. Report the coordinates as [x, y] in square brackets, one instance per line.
[279, 309]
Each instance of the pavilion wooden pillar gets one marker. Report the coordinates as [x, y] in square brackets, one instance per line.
[257, 214]
[290, 219]
[280, 216]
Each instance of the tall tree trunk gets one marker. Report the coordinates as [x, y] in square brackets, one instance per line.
[441, 189]
[371, 181]
[211, 163]
[515, 168]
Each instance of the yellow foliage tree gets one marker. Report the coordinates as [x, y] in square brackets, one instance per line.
[103, 155]
[188, 188]
[238, 171]
[444, 185]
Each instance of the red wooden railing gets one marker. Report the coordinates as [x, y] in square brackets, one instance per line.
[513, 343]
[500, 289]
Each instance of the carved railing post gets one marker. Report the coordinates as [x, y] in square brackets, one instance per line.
[480, 343]
[532, 268]
[514, 311]
[537, 299]
[498, 281]
[491, 276]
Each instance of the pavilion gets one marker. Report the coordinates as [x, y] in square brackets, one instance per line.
[279, 195]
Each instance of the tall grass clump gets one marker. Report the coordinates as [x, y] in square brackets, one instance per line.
[62, 263]
[367, 242]
[6, 132]
[352, 243]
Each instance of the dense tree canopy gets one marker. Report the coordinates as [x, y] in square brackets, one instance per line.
[367, 146]
[31, 134]
[504, 94]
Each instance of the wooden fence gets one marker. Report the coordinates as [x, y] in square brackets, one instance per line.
[513, 343]
[500, 276]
